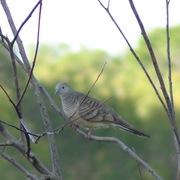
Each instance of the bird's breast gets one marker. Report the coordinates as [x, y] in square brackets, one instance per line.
[71, 111]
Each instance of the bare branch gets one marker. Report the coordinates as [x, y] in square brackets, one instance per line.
[18, 95]
[151, 52]
[20, 147]
[8, 96]
[169, 53]
[108, 4]
[138, 165]
[6, 46]
[6, 144]
[170, 111]
[15, 75]
[16, 164]
[136, 56]
[170, 81]
[178, 159]
[44, 113]
[125, 148]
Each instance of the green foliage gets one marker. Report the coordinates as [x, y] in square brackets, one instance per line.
[132, 97]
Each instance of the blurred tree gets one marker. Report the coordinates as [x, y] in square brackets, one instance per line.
[132, 97]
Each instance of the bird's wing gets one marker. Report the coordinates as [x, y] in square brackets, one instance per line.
[93, 110]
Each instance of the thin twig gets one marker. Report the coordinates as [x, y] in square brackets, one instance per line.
[15, 127]
[136, 56]
[97, 78]
[138, 165]
[90, 88]
[16, 81]
[6, 144]
[20, 147]
[108, 4]
[14, 68]
[169, 53]
[170, 82]
[5, 43]
[36, 51]
[25, 21]
[38, 136]
[8, 96]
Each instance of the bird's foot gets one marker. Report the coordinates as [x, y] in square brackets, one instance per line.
[88, 135]
[74, 126]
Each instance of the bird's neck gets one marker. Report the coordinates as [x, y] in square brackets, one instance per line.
[69, 99]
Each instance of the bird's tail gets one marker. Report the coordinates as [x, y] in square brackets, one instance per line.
[131, 129]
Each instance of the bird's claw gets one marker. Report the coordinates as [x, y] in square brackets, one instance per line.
[74, 126]
[88, 135]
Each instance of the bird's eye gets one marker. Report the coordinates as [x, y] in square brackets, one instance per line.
[62, 87]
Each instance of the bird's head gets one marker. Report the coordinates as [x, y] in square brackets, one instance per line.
[62, 88]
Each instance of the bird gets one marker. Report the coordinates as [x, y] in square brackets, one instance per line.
[89, 113]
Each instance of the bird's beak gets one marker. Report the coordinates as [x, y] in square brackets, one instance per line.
[56, 92]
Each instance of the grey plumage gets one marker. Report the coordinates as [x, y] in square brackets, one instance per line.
[90, 113]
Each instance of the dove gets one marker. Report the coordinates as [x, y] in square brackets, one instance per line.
[89, 113]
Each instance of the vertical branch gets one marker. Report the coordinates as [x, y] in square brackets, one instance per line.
[43, 110]
[151, 52]
[178, 159]
[169, 106]
[169, 53]
[14, 69]
[158, 73]
[170, 82]
[15, 74]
